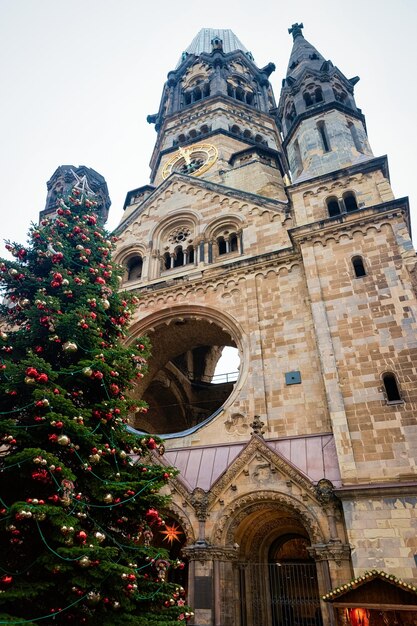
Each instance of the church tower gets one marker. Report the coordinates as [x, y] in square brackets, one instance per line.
[273, 230]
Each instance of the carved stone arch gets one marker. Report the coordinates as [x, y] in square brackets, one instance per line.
[217, 226]
[129, 251]
[176, 229]
[239, 509]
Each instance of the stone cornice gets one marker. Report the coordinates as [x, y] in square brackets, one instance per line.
[206, 552]
[362, 167]
[393, 489]
[345, 221]
[209, 273]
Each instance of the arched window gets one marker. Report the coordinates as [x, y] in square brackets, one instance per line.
[206, 90]
[333, 206]
[187, 98]
[193, 133]
[355, 137]
[322, 130]
[178, 257]
[235, 130]
[230, 91]
[167, 261]
[349, 199]
[221, 245]
[134, 268]
[233, 242]
[249, 97]
[391, 387]
[197, 94]
[358, 266]
[204, 129]
[247, 134]
[308, 99]
[240, 94]
[298, 158]
[190, 254]
[318, 94]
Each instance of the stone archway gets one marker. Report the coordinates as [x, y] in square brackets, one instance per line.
[273, 581]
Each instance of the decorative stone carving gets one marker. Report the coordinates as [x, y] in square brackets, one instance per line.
[200, 502]
[240, 508]
[325, 492]
[334, 551]
[257, 426]
[211, 553]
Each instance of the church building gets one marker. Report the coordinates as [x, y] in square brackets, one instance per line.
[269, 229]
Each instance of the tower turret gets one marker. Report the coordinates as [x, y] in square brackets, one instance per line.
[323, 129]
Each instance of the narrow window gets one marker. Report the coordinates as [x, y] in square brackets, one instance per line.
[355, 137]
[179, 257]
[321, 127]
[197, 94]
[307, 99]
[134, 268]
[240, 94]
[167, 261]
[206, 90]
[333, 206]
[249, 97]
[298, 159]
[190, 254]
[391, 388]
[187, 98]
[349, 199]
[222, 245]
[230, 91]
[318, 94]
[233, 242]
[358, 266]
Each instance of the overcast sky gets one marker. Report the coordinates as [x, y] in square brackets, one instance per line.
[79, 77]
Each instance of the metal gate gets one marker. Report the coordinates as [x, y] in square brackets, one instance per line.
[273, 594]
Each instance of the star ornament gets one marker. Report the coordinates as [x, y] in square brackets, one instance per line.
[171, 533]
[82, 184]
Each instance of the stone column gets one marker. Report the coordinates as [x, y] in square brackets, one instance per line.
[210, 591]
[333, 568]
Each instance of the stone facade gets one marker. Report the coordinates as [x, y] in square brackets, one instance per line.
[257, 234]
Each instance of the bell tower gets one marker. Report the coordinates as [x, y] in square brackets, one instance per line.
[322, 127]
[214, 118]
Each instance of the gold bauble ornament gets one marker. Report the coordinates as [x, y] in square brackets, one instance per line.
[63, 440]
[70, 346]
[29, 380]
[108, 498]
[87, 371]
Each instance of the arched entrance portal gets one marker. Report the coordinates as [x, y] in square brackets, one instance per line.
[276, 579]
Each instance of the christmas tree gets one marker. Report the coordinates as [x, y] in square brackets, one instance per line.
[80, 496]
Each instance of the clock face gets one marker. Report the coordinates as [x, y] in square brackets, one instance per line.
[192, 160]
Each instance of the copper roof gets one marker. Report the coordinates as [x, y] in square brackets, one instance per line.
[201, 466]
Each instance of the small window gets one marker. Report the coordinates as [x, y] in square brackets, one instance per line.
[358, 266]
[307, 99]
[222, 245]
[318, 94]
[321, 127]
[249, 97]
[233, 242]
[298, 158]
[167, 261]
[134, 268]
[349, 199]
[178, 257]
[190, 254]
[355, 137]
[333, 206]
[247, 134]
[391, 388]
